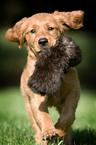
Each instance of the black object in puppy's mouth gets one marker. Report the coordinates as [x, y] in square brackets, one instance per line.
[51, 65]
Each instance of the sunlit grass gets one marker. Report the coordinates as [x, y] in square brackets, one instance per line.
[86, 111]
[16, 128]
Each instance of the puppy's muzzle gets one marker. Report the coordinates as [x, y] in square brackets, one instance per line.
[43, 42]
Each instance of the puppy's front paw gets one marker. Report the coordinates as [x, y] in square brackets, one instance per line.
[49, 134]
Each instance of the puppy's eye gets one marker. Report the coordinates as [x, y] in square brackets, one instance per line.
[33, 31]
[50, 28]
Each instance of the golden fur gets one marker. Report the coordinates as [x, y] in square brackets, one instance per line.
[67, 99]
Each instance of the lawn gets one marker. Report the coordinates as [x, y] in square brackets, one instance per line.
[16, 128]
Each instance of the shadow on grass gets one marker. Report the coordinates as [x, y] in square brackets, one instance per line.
[80, 137]
[84, 137]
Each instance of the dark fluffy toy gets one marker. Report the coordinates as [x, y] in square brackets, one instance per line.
[51, 65]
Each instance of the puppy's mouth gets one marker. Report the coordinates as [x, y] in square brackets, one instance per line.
[43, 44]
[36, 52]
[49, 45]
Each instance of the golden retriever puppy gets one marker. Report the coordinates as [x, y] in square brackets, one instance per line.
[41, 32]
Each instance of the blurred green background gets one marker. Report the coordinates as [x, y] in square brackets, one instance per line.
[12, 60]
[15, 127]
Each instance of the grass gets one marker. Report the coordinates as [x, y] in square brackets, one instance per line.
[84, 127]
[16, 129]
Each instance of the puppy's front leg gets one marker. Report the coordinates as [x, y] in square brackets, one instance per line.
[40, 111]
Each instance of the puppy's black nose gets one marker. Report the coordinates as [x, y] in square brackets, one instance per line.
[42, 41]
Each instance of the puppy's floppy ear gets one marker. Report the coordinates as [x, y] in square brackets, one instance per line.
[16, 34]
[68, 20]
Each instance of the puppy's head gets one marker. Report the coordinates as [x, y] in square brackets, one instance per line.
[41, 30]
